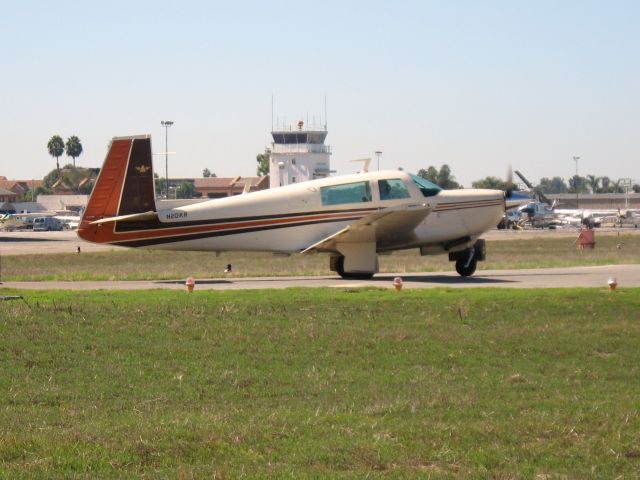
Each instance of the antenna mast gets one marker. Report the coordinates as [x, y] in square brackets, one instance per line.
[325, 111]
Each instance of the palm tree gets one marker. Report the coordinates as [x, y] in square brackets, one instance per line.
[56, 148]
[617, 186]
[593, 182]
[74, 148]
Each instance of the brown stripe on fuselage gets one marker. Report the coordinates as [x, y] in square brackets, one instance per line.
[105, 234]
[136, 226]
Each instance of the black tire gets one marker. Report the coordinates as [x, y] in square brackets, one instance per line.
[462, 269]
[351, 275]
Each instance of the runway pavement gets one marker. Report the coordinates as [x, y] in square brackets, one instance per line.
[26, 243]
[626, 276]
[21, 243]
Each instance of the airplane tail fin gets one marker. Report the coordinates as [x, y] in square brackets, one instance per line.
[125, 186]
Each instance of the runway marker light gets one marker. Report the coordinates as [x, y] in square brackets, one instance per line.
[190, 283]
[613, 283]
[397, 283]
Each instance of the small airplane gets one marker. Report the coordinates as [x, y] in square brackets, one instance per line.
[24, 221]
[20, 221]
[630, 216]
[69, 221]
[352, 218]
[542, 212]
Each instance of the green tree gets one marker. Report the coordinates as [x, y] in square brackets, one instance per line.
[206, 173]
[636, 188]
[40, 191]
[617, 187]
[579, 184]
[49, 179]
[74, 148]
[430, 174]
[186, 190]
[56, 148]
[71, 178]
[493, 183]
[593, 183]
[445, 179]
[609, 186]
[263, 162]
[552, 185]
[442, 177]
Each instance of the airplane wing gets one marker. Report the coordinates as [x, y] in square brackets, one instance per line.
[390, 225]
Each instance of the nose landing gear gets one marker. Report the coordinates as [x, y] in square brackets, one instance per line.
[467, 260]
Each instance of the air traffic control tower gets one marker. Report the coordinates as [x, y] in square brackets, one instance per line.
[298, 155]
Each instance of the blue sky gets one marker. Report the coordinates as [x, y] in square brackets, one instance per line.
[477, 85]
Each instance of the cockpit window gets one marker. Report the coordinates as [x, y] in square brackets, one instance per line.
[346, 193]
[392, 189]
[427, 188]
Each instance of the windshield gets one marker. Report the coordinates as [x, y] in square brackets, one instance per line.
[427, 188]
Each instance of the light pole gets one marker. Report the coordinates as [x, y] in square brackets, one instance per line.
[166, 124]
[575, 180]
[378, 153]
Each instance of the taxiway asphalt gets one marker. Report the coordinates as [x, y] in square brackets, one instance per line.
[598, 276]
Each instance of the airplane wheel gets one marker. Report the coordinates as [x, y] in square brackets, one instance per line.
[351, 275]
[463, 269]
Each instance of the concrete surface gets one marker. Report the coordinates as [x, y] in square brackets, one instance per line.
[626, 275]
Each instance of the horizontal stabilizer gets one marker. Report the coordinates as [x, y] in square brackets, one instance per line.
[127, 218]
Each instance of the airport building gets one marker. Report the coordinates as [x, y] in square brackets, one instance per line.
[7, 196]
[220, 187]
[597, 200]
[19, 187]
[298, 155]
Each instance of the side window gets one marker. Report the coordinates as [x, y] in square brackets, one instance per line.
[392, 189]
[347, 193]
[427, 188]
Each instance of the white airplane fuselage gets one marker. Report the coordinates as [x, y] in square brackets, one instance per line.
[352, 217]
[289, 219]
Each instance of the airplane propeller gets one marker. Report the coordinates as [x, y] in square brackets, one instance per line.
[509, 191]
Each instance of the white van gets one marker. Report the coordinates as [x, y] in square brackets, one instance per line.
[46, 224]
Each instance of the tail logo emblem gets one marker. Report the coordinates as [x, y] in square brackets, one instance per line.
[143, 168]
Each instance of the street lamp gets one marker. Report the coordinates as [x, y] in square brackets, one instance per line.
[166, 124]
[378, 153]
[575, 180]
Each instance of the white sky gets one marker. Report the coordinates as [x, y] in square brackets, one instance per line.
[475, 84]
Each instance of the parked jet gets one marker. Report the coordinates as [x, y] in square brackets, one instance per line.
[353, 218]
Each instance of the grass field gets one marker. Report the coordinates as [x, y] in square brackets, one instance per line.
[321, 383]
[162, 265]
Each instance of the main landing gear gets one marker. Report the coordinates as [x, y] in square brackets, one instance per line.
[337, 265]
[467, 260]
[466, 263]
